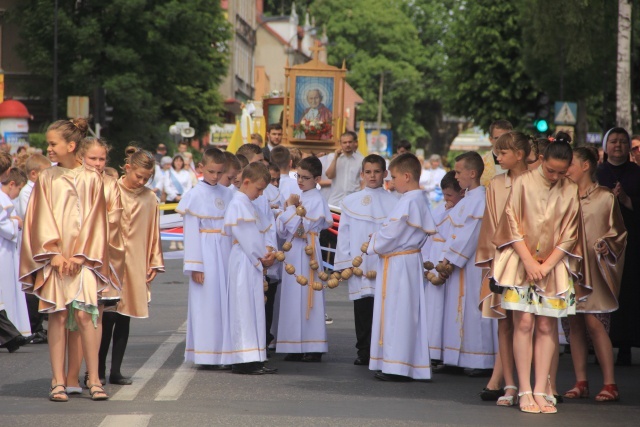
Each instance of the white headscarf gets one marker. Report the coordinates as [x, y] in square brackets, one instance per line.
[606, 136]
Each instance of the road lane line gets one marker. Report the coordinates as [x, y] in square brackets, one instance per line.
[178, 383]
[151, 366]
[140, 420]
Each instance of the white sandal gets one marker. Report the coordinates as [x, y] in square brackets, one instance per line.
[535, 410]
[548, 405]
[508, 400]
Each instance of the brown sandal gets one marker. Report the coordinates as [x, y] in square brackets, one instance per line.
[56, 396]
[99, 391]
[579, 391]
[609, 393]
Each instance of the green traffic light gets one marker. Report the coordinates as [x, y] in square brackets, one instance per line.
[541, 125]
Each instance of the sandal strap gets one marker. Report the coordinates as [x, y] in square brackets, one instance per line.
[546, 399]
[525, 392]
[100, 389]
[510, 387]
[608, 393]
[579, 390]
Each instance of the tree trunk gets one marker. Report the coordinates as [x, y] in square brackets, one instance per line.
[442, 134]
[582, 124]
[623, 77]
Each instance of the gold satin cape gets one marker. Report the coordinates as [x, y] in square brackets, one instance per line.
[66, 216]
[116, 244]
[545, 217]
[498, 190]
[140, 227]
[603, 274]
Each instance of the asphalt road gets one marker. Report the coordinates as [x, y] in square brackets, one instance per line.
[333, 393]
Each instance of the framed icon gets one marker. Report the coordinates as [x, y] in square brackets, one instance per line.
[273, 110]
[313, 108]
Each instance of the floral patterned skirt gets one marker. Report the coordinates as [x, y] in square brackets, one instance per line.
[528, 300]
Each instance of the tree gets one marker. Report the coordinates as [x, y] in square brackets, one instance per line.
[485, 78]
[376, 37]
[159, 60]
[569, 50]
[432, 21]
[283, 7]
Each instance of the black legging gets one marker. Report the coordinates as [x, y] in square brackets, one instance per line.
[117, 325]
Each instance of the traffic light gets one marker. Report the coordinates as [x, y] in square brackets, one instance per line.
[540, 121]
[102, 112]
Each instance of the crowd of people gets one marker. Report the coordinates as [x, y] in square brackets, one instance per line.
[462, 270]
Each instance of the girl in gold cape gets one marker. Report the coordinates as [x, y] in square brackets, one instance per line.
[94, 153]
[604, 249]
[538, 255]
[513, 149]
[140, 228]
[63, 258]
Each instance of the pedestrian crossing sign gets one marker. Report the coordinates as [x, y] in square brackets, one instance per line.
[566, 113]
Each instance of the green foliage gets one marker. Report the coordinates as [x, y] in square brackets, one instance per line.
[569, 49]
[485, 77]
[375, 37]
[159, 60]
[38, 140]
[432, 19]
[283, 7]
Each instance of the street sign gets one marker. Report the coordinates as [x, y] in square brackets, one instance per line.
[77, 106]
[594, 138]
[566, 129]
[566, 113]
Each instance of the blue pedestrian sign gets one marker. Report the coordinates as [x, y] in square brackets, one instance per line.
[566, 113]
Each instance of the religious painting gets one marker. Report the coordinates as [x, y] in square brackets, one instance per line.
[314, 105]
[273, 109]
[313, 112]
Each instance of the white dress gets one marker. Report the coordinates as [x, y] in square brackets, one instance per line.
[183, 177]
[470, 341]
[301, 324]
[12, 296]
[399, 334]
[270, 205]
[435, 295]
[362, 214]
[206, 250]
[288, 186]
[246, 340]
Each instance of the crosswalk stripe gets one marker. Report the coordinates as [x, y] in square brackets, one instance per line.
[178, 383]
[151, 366]
[139, 420]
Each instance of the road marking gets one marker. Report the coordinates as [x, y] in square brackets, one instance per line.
[178, 383]
[151, 366]
[126, 420]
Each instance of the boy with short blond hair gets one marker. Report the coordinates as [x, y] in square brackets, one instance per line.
[399, 344]
[269, 205]
[251, 254]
